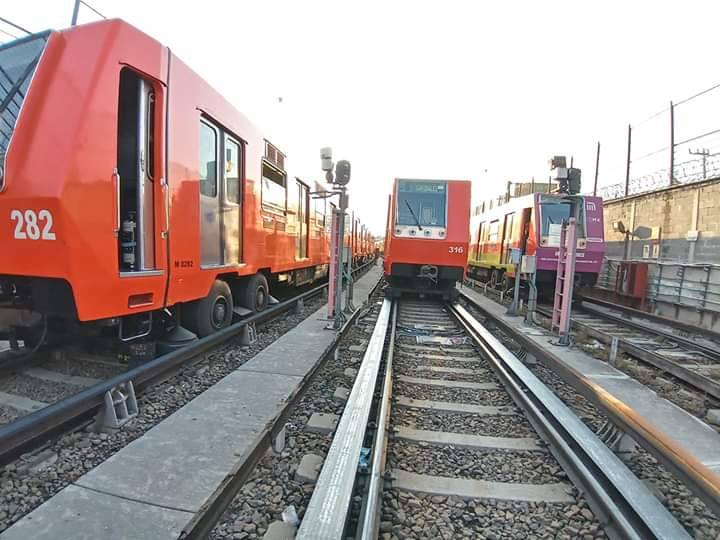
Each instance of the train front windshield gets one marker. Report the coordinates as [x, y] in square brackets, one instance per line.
[422, 204]
[553, 212]
[18, 60]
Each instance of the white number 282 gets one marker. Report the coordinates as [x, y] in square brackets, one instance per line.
[28, 225]
[456, 249]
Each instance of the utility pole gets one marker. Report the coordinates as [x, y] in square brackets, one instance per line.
[627, 168]
[597, 169]
[705, 153]
[76, 9]
[672, 143]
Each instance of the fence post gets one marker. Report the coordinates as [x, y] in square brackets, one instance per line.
[597, 168]
[672, 143]
[627, 168]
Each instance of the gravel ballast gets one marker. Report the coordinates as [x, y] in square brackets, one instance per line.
[493, 465]
[514, 425]
[22, 490]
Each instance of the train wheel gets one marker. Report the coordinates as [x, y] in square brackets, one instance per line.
[212, 313]
[254, 293]
[495, 278]
[505, 283]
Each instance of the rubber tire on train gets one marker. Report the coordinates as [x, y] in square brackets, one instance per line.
[254, 293]
[200, 316]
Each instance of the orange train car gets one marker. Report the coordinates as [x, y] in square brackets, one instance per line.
[426, 241]
[132, 194]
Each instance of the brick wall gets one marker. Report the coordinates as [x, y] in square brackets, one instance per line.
[676, 210]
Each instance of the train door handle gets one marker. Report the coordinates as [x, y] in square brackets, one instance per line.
[166, 207]
[116, 201]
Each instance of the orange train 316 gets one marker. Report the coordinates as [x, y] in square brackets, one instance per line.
[426, 240]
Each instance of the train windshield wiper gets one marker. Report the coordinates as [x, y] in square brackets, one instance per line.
[413, 215]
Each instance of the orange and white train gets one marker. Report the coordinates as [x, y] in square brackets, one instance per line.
[132, 193]
[426, 239]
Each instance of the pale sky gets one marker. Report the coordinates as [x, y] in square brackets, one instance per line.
[432, 89]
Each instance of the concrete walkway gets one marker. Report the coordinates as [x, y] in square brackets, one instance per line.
[691, 433]
[154, 486]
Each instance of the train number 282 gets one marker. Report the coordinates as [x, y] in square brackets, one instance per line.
[456, 249]
[33, 226]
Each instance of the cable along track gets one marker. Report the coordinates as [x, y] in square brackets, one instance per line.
[456, 450]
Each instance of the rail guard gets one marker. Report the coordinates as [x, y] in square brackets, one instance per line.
[326, 515]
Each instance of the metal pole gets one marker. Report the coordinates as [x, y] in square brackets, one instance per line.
[76, 9]
[627, 169]
[672, 143]
[597, 169]
[339, 317]
[515, 305]
[571, 245]
[332, 277]
[349, 307]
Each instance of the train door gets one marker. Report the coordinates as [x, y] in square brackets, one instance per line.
[507, 240]
[301, 241]
[136, 174]
[211, 252]
[232, 201]
[525, 228]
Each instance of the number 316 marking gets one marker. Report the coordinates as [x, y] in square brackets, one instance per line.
[456, 249]
[27, 225]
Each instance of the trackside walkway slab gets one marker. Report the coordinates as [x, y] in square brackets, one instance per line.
[691, 433]
[154, 486]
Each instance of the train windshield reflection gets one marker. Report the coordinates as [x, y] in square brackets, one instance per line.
[422, 203]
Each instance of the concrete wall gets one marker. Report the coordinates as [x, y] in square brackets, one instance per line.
[683, 222]
[677, 211]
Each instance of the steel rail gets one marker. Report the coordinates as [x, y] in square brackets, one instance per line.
[327, 513]
[680, 325]
[702, 481]
[707, 350]
[22, 434]
[612, 490]
[208, 515]
[699, 381]
[372, 507]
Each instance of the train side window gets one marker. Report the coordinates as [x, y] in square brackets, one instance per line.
[232, 170]
[493, 232]
[208, 160]
[319, 213]
[331, 214]
[273, 194]
[480, 234]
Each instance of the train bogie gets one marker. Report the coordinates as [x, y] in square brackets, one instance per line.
[426, 240]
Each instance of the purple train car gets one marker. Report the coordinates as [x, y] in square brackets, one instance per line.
[532, 223]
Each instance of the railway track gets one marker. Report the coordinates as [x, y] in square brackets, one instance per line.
[466, 442]
[52, 396]
[691, 357]
[693, 360]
